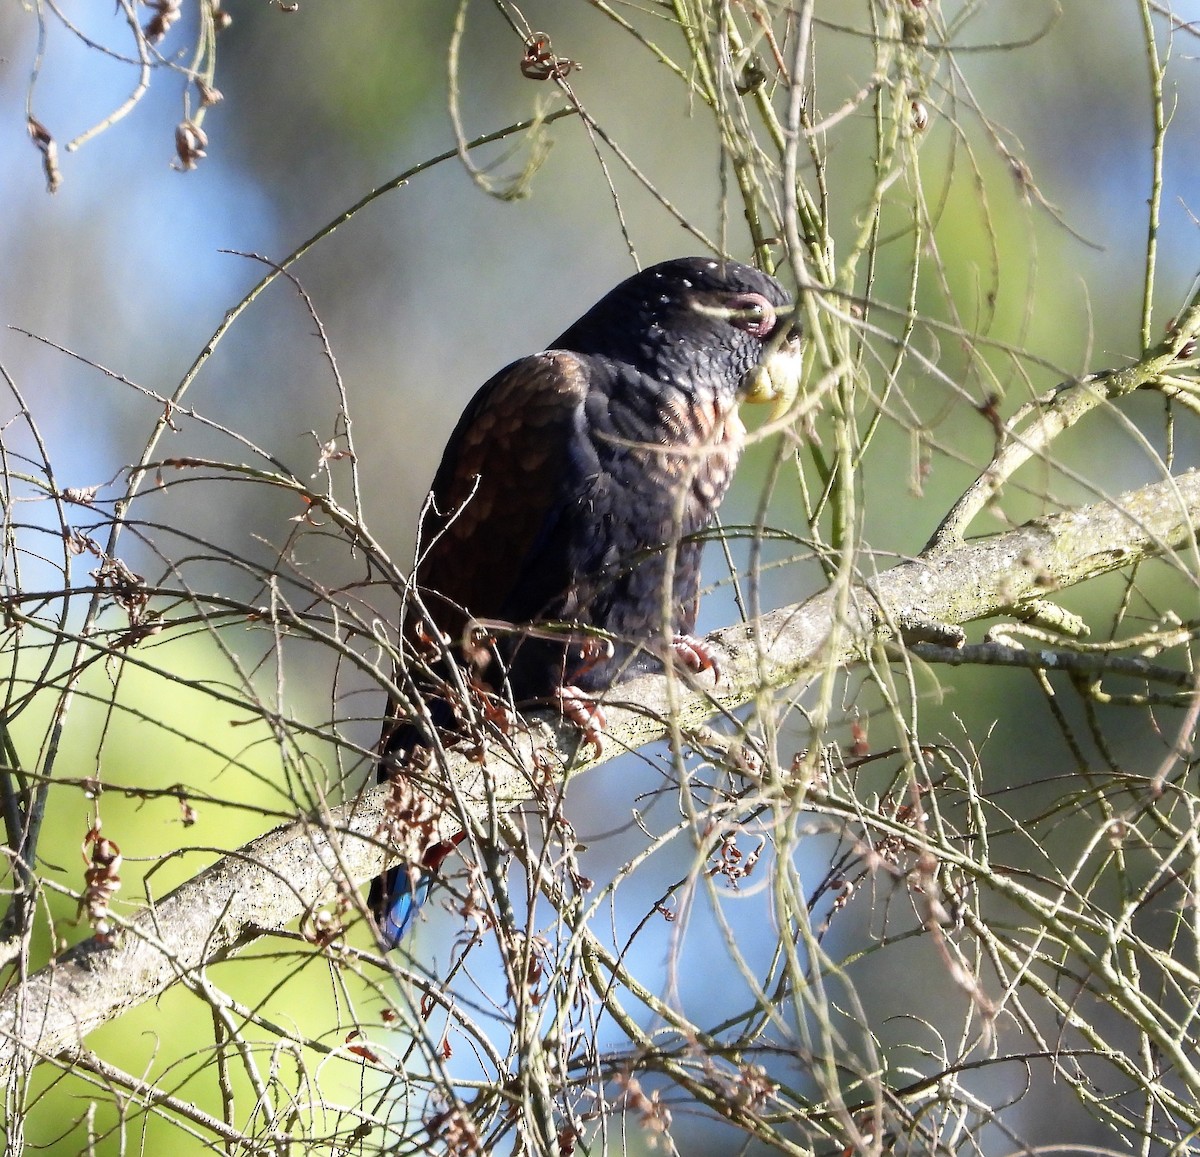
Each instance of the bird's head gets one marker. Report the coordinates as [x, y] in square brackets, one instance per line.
[701, 324]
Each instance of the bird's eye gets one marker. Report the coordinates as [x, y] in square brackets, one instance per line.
[753, 313]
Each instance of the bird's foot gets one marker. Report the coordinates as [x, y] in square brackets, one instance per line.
[584, 712]
[696, 655]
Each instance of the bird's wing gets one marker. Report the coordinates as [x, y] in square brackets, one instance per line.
[518, 460]
[494, 544]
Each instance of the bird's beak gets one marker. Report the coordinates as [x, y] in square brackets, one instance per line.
[776, 379]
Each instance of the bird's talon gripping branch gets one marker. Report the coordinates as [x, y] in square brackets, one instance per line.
[584, 712]
[696, 655]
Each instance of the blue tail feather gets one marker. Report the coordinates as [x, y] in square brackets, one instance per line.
[397, 895]
[405, 889]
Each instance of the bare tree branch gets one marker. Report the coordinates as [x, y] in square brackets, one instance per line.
[292, 870]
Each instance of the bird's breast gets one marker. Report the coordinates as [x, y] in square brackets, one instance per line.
[702, 440]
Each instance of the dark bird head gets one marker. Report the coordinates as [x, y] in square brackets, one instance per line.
[704, 325]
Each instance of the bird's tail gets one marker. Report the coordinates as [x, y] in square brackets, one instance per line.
[397, 896]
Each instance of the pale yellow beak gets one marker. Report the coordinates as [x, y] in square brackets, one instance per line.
[776, 379]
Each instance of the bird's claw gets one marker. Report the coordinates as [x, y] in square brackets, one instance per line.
[696, 655]
[584, 712]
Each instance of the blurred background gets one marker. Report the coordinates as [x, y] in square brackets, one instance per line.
[1037, 155]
